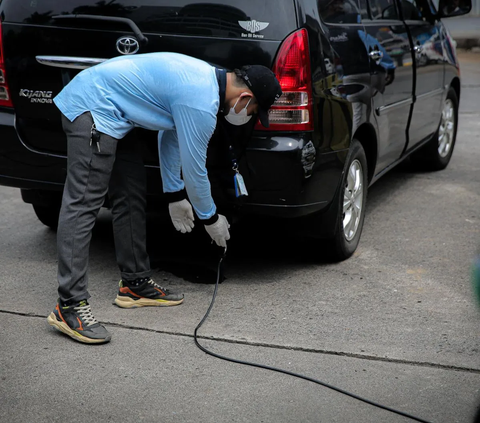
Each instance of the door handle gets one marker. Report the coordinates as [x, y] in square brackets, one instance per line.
[376, 55]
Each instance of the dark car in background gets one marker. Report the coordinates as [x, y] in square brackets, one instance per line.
[366, 84]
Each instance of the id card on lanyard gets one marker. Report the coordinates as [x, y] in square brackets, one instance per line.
[240, 187]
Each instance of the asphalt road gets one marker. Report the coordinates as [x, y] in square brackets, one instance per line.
[397, 323]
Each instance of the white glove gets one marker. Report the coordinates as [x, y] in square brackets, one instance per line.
[182, 216]
[219, 231]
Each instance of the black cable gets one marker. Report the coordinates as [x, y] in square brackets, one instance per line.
[275, 369]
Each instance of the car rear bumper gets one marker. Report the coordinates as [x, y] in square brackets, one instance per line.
[285, 176]
[23, 167]
[290, 178]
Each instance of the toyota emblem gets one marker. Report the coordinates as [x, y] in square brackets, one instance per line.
[127, 45]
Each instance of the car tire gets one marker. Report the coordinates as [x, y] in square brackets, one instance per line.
[349, 202]
[436, 154]
[48, 215]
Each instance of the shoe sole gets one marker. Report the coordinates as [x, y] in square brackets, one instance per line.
[63, 327]
[127, 302]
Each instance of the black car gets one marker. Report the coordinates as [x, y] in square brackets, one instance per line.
[366, 84]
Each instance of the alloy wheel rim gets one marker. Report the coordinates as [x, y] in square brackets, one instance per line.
[447, 129]
[353, 200]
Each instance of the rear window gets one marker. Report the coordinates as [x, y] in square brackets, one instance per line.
[253, 19]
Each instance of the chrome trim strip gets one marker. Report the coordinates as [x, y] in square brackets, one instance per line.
[287, 206]
[69, 62]
[433, 93]
[382, 109]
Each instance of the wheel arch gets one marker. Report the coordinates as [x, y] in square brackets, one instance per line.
[455, 84]
[367, 136]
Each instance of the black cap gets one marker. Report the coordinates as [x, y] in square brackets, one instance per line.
[265, 87]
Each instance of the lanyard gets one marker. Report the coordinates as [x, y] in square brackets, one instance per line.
[240, 187]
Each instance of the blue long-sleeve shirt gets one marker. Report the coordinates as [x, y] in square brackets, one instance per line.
[171, 93]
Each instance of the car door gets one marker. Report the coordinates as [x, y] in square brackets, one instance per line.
[348, 90]
[392, 73]
[429, 65]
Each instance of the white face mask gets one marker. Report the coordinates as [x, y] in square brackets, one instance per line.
[240, 118]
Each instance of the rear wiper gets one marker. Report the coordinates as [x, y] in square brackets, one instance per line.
[136, 30]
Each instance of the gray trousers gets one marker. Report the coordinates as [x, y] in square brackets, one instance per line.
[117, 170]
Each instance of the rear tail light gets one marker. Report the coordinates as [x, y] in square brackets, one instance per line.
[5, 98]
[293, 111]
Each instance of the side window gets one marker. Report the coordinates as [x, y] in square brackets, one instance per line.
[340, 11]
[384, 9]
[411, 11]
[363, 5]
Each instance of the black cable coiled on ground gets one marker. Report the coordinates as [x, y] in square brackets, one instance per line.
[275, 369]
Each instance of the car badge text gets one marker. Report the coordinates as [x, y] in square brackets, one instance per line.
[253, 27]
[44, 97]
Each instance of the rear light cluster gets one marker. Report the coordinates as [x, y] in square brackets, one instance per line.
[293, 111]
[5, 99]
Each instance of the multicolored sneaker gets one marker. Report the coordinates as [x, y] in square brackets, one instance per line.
[77, 321]
[145, 293]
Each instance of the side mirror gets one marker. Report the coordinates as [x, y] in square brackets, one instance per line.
[449, 8]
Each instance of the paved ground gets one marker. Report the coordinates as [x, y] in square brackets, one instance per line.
[396, 323]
